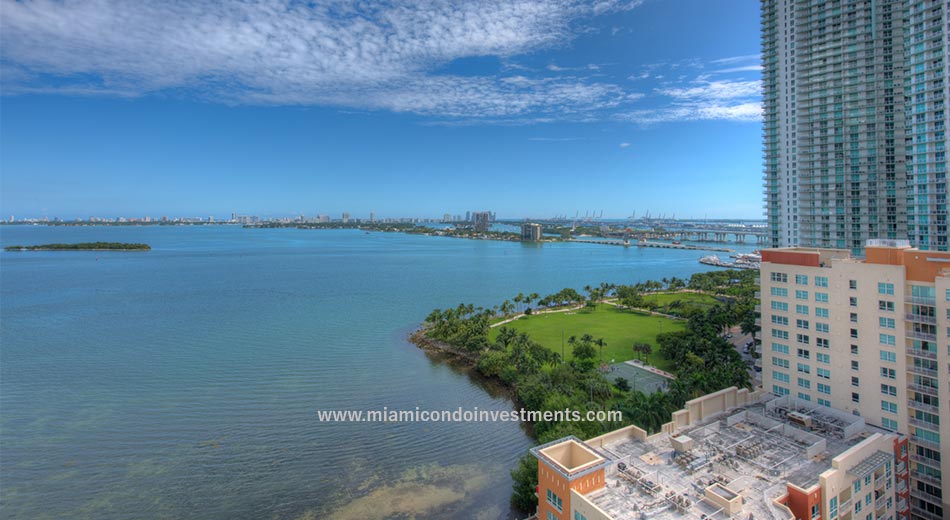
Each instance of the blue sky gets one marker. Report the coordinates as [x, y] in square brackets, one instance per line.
[529, 108]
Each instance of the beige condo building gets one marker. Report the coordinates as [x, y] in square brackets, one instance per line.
[871, 337]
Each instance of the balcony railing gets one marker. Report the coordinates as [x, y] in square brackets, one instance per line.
[920, 318]
[921, 335]
[931, 372]
[923, 406]
[922, 353]
[927, 443]
[929, 390]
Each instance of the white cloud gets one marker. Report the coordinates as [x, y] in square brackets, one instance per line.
[744, 68]
[738, 59]
[624, 145]
[715, 90]
[351, 54]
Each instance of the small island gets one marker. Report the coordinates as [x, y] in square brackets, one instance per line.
[83, 246]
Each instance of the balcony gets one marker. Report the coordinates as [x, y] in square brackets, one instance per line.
[922, 406]
[926, 354]
[930, 372]
[924, 424]
[921, 300]
[929, 390]
[927, 443]
[930, 479]
[921, 335]
[920, 318]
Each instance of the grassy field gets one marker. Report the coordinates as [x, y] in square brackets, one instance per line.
[619, 328]
[698, 299]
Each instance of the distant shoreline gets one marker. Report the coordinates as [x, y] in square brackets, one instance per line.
[83, 246]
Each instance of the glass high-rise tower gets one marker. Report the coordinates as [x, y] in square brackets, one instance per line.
[855, 95]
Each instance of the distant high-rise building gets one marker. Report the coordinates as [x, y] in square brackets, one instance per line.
[446, 218]
[346, 217]
[530, 232]
[372, 216]
[855, 98]
[468, 216]
[481, 221]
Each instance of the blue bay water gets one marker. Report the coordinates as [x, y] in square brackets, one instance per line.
[184, 382]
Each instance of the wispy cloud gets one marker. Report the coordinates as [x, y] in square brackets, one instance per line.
[737, 59]
[624, 145]
[555, 139]
[345, 54]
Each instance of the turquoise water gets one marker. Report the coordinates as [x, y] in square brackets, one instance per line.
[184, 382]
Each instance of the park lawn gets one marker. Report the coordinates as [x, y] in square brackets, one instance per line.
[698, 299]
[620, 329]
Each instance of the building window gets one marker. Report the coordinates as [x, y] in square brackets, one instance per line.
[887, 323]
[780, 348]
[821, 281]
[854, 317]
[801, 295]
[853, 285]
[824, 402]
[889, 390]
[804, 354]
[885, 288]
[824, 389]
[579, 516]
[854, 350]
[823, 358]
[780, 390]
[855, 397]
[821, 312]
[889, 424]
[801, 309]
[779, 362]
[780, 376]
[779, 320]
[779, 291]
[854, 333]
[801, 279]
[779, 306]
[854, 365]
[804, 383]
[853, 301]
[803, 368]
[779, 277]
[815, 511]
[888, 373]
[889, 407]
[888, 356]
[821, 297]
[804, 339]
[822, 342]
[822, 327]
[801, 324]
[803, 396]
[885, 305]
[888, 339]
[780, 334]
[554, 500]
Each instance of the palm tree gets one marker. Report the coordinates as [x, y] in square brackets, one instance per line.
[507, 307]
[601, 343]
[519, 298]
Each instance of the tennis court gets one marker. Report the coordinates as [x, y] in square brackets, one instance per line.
[640, 378]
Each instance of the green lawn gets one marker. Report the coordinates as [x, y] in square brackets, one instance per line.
[619, 328]
[698, 299]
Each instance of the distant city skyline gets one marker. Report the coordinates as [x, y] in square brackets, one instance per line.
[531, 107]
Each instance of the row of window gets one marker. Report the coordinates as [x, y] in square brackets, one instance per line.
[800, 279]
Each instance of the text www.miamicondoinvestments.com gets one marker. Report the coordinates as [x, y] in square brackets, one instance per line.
[465, 415]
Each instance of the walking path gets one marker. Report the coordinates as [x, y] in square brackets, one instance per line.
[519, 316]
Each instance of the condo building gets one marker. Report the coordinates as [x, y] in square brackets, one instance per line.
[531, 232]
[871, 337]
[855, 113]
[732, 454]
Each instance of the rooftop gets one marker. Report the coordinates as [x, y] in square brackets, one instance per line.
[732, 464]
